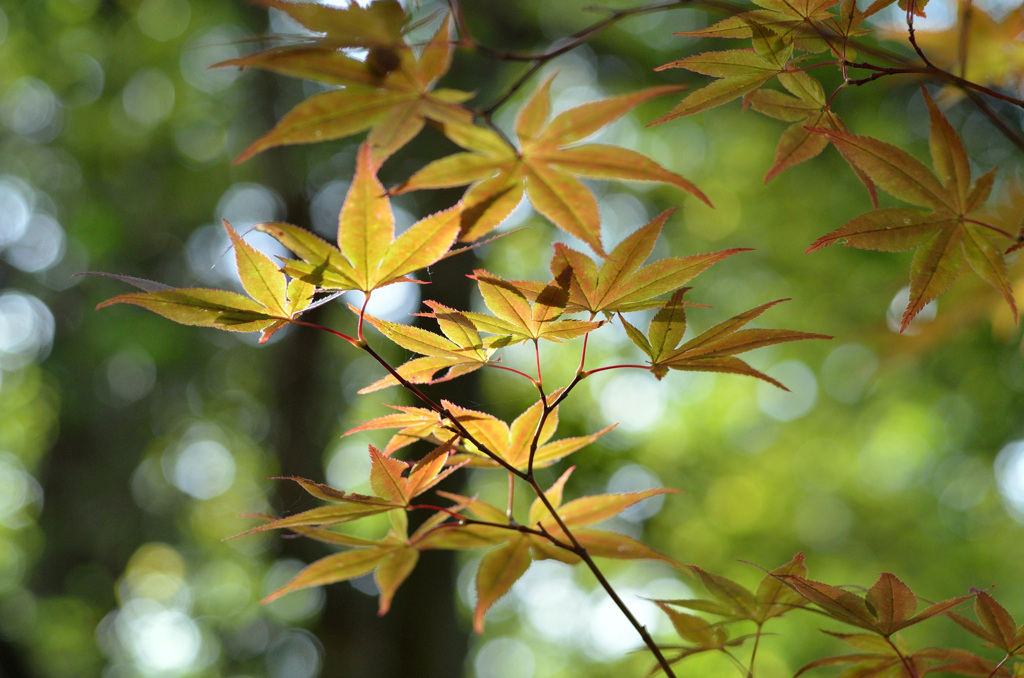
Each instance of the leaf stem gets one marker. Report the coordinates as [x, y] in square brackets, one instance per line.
[911, 673]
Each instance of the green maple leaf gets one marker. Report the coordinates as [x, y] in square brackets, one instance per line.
[391, 92]
[711, 351]
[368, 255]
[545, 167]
[944, 234]
[272, 302]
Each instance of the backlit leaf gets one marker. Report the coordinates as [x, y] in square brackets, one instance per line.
[499, 569]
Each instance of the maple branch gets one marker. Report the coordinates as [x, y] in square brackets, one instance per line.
[911, 6]
[580, 551]
[934, 71]
[911, 673]
[966, 13]
[440, 409]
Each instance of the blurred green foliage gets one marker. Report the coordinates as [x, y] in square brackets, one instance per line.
[130, 447]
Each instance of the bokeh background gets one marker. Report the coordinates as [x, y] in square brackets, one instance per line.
[130, 448]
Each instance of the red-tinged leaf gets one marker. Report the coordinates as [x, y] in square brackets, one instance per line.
[325, 260]
[934, 610]
[935, 268]
[332, 569]
[715, 94]
[589, 510]
[598, 161]
[695, 629]
[997, 621]
[980, 190]
[891, 601]
[988, 262]
[203, 308]
[489, 431]
[580, 122]
[838, 603]
[499, 569]
[391, 571]
[330, 115]
[892, 229]
[261, 278]
[423, 244]
[538, 511]
[386, 477]
[604, 544]
[726, 364]
[566, 202]
[796, 145]
[892, 169]
[948, 154]
[740, 601]
[867, 666]
[534, 113]
[429, 471]
[773, 595]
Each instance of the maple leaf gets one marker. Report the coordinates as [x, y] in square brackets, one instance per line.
[711, 351]
[944, 234]
[460, 351]
[996, 625]
[734, 601]
[806, 24]
[739, 71]
[545, 167]
[622, 283]
[390, 92]
[517, 319]
[887, 607]
[272, 302]
[368, 255]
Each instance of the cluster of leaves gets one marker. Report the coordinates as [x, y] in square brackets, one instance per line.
[391, 93]
[879, 614]
[787, 39]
